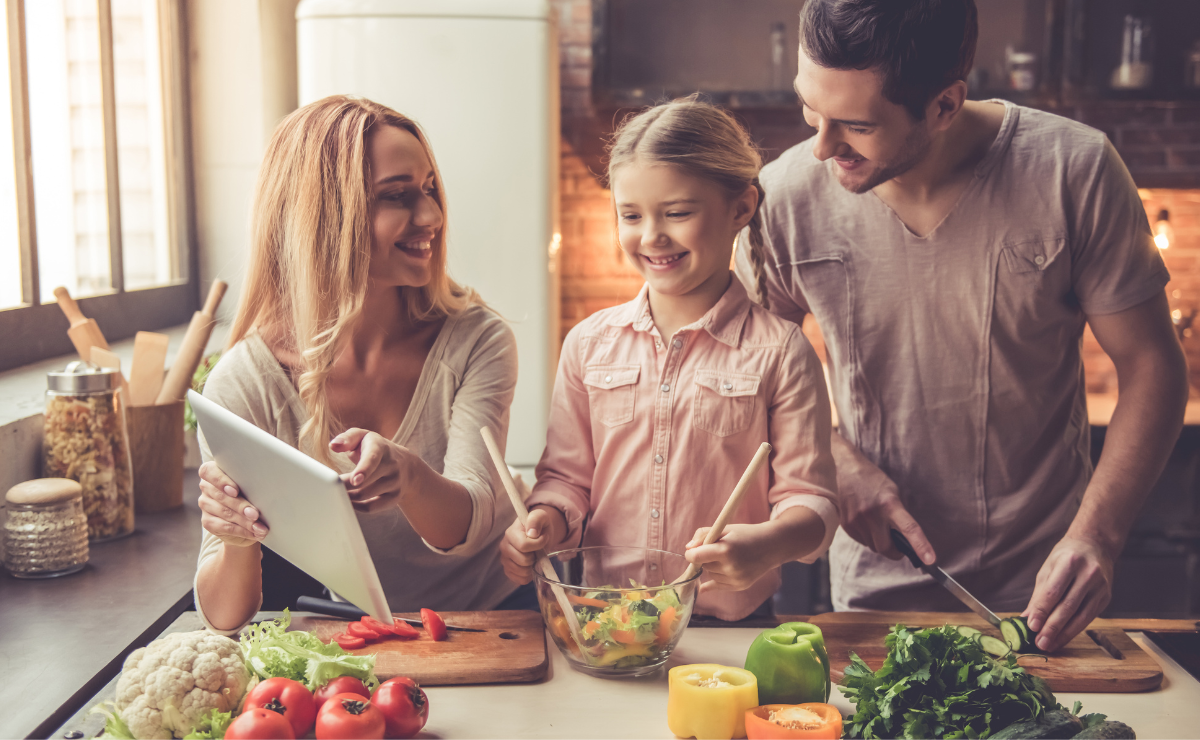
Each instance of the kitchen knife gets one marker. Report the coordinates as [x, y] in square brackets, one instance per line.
[350, 611]
[943, 578]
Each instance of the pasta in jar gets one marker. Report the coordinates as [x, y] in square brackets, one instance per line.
[85, 440]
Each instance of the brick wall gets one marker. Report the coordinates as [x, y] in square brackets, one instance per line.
[1160, 143]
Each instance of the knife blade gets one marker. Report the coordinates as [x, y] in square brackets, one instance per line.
[902, 544]
[349, 611]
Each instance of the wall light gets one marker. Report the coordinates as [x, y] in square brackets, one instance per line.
[1164, 233]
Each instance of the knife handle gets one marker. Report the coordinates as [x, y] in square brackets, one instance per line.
[901, 543]
[331, 608]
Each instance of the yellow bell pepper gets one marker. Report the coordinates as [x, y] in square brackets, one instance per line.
[709, 702]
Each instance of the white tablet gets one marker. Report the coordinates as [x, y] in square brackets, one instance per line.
[310, 520]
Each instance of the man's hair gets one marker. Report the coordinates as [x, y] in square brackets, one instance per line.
[919, 47]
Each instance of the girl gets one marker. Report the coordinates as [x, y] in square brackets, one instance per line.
[352, 343]
[660, 403]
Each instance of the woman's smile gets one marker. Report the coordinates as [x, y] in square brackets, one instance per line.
[420, 249]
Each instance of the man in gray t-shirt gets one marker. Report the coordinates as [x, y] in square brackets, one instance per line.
[951, 252]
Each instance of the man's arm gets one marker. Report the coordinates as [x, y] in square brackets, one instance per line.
[1075, 583]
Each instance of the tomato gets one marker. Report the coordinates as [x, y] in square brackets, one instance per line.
[350, 717]
[433, 624]
[287, 697]
[340, 685]
[404, 630]
[358, 629]
[405, 707]
[259, 724]
[349, 642]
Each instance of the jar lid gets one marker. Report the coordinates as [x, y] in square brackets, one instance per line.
[44, 491]
[82, 377]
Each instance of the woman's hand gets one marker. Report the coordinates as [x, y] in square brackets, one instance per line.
[744, 554]
[521, 542]
[226, 513]
[380, 469]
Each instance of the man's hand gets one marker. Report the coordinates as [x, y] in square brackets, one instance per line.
[1073, 587]
[870, 505]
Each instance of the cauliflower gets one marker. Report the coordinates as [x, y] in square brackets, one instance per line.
[166, 686]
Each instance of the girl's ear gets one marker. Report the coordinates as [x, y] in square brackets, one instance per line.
[744, 207]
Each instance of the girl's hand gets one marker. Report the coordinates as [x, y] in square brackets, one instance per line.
[380, 469]
[521, 542]
[733, 563]
[226, 513]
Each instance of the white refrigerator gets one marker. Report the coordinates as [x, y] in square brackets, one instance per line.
[481, 78]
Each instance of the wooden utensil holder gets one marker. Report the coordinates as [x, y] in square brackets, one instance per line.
[156, 445]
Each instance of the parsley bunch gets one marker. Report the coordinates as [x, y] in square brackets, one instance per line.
[938, 683]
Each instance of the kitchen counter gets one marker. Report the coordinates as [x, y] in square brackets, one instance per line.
[64, 638]
[568, 704]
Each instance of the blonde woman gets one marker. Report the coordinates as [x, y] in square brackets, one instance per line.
[353, 344]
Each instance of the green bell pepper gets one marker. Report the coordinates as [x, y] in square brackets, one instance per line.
[791, 664]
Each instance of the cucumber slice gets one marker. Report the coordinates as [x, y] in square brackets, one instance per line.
[993, 646]
[1012, 635]
[969, 632]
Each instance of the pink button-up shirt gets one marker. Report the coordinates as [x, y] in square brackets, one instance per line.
[648, 437]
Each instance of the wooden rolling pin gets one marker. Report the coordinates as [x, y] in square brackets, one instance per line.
[179, 377]
[84, 332]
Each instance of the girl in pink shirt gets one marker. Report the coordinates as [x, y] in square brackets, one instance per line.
[660, 403]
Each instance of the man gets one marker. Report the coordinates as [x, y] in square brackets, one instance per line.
[951, 252]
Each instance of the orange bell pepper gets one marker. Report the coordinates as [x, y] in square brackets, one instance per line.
[811, 721]
[585, 601]
[666, 620]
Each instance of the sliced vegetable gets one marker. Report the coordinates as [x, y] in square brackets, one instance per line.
[1013, 635]
[270, 650]
[347, 641]
[358, 629]
[814, 720]
[709, 701]
[994, 646]
[578, 600]
[434, 626]
[966, 631]
[404, 630]
[374, 624]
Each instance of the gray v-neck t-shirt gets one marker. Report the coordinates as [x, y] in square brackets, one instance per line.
[467, 383]
[954, 358]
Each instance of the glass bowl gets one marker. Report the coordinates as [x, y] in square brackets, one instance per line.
[626, 626]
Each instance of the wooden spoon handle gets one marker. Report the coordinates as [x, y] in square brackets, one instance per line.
[69, 307]
[215, 293]
[731, 504]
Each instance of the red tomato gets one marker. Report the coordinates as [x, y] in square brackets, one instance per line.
[349, 642]
[405, 707]
[372, 623]
[340, 685]
[349, 717]
[404, 630]
[259, 724]
[433, 624]
[287, 697]
[358, 629]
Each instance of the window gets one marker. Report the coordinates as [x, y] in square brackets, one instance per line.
[93, 190]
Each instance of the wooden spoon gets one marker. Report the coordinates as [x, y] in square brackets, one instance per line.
[731, 505]
[543, 562]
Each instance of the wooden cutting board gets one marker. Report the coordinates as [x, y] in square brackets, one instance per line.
[512, 649]
[1097, 660]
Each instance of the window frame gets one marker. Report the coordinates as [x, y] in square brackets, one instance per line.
[36, 331]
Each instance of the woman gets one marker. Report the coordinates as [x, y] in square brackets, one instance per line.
[353, 344]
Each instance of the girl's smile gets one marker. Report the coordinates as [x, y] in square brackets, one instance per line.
[664, 263]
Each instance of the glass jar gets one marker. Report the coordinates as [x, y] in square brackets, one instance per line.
[86, 440]
[46, 531]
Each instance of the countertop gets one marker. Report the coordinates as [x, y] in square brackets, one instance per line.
[568, 704]
[129, 592]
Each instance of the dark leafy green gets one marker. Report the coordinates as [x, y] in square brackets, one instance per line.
[938, 683]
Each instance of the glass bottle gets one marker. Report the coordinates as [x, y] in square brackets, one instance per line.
[45, 533]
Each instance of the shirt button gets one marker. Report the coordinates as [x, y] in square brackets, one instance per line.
[657, 344]
[607, 378]
[654, 513]
[666, 387]
[1039, 260]
[658, 459]
[677, 343]
[728, 386]
[653, 566]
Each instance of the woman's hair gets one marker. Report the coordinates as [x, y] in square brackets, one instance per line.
[704, 141]
[311, 245]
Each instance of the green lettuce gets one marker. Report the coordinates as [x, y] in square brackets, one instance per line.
[211, 726]
[270, 650]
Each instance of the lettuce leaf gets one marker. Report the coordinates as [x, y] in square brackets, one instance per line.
[270, 651]
[211, 726]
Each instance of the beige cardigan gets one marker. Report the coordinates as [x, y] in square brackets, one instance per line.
[467, 383]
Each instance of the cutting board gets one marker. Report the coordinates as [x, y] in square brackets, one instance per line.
[512, 649]
[1096, 660]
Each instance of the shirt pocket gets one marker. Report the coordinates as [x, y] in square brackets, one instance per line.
[1033, 284]
[611, 391]
[724, 402]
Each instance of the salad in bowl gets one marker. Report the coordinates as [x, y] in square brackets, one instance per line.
[620, 622]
